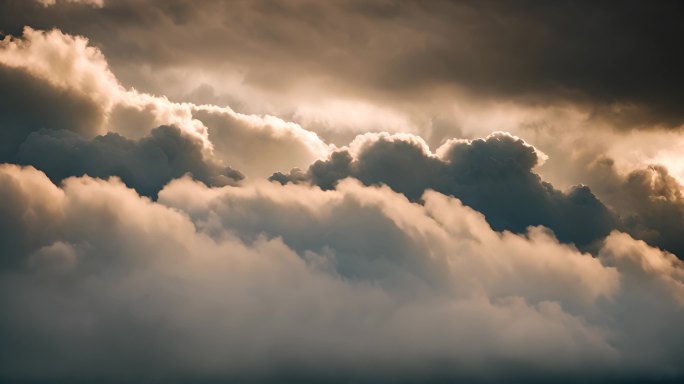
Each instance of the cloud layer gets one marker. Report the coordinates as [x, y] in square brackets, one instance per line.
[148, 232]
[617, 61]
[285, 272]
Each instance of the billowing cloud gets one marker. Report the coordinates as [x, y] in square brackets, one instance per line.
[94, 3]
[649, 200]
[352, 284]
[493, 175]
[146, 165]
[141, 239]
[64, 83]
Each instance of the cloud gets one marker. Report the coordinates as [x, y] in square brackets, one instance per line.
[258, 144]
[63, 83]
[94, 3]
[132, 249]
[115, 286]
[146, 165]
[22, 95]
[59, 63]
[398, 53]
[493, 175]
[649, 201]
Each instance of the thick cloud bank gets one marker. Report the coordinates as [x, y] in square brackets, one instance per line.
[618, 60]
[272, 282]
[141, 240]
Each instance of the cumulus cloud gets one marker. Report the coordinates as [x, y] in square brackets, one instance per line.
[146, 165]
[258, 144]
[94, 3]
[649, 200]
[493, 175]
[63, 83]
[65, 64]
[134, 249]
[270, 282]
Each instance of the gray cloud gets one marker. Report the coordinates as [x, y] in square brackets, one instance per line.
[619, 61]
[649, 201]
[146, 165]
[382, 261]
[494, 176]
[27, 105]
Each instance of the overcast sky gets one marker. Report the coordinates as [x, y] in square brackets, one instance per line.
[341, 191]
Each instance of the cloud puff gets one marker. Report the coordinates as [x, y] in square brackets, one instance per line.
[269, 282]
[146, 165]
[258, 144]
[493, 175]
[62, 82]
[649, 200]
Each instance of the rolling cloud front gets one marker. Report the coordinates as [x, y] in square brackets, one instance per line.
[347, 192]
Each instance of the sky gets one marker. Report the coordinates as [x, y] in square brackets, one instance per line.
[341, 191]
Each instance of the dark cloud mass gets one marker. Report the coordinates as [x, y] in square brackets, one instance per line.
[146, 165]
[493, 175]
[143, 241]
[55, 128]
[27, 104]
[621, 61]
[649, 201]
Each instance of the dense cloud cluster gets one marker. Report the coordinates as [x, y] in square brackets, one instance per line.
[146, 165]
[58, 99]
[141, 240]
[494, 176]
[649, 200]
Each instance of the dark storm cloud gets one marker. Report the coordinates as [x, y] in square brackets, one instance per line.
[146, 165]
[493, 175]
[621, 60]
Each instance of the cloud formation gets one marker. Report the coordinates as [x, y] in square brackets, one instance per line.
[649, 200]
[141, 240]
[233, 266]
[64, 83]
[146, 165]
[617, 62]
[94, 3]
[493, 175]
